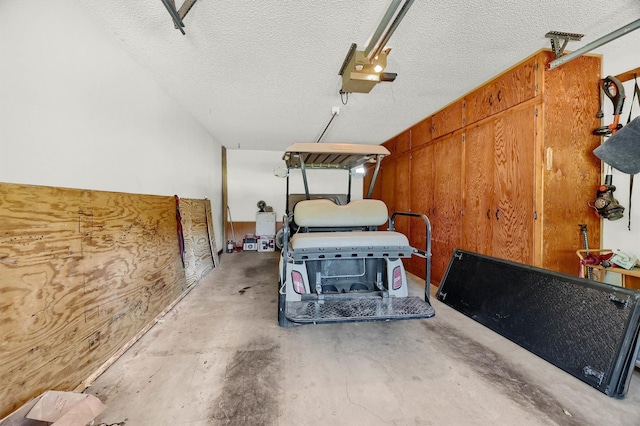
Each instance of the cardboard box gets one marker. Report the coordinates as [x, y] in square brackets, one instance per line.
[266, 243]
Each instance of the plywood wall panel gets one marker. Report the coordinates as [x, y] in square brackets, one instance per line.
[421, 194]
[570, 170]
[198, 258]
[81, 273]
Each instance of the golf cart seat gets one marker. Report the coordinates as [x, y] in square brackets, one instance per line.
[330, 231]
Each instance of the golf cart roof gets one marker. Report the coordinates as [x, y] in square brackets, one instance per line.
[332, 155]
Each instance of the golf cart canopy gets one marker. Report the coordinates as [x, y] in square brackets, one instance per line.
[332, 155]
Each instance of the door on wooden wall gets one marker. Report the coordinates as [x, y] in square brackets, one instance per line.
[514, 180]
[477, 221]
[447, 201]
[499, 187]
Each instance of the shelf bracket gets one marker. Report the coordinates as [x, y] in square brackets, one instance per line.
[557, 37]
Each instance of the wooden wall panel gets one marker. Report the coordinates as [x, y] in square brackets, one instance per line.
[571, 172]
[198, 258]
[509, 89]
[421, 133]
[402, 196]
[421, 184]
[81, 272]
[447, 198]
[447, 120]
[388, 183]
[403, 142]
[478, 186]
[390, 145]
[514, 183]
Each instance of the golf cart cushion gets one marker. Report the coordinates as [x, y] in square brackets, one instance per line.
[325, 213]
[348, 240]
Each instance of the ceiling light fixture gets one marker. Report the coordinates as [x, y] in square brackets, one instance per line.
[360, 68]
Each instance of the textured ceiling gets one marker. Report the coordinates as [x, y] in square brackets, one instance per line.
[264, 74]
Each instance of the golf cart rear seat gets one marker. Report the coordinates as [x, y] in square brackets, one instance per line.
[330, 231]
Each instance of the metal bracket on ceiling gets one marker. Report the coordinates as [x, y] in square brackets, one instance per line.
[178, 15]
[557, 36]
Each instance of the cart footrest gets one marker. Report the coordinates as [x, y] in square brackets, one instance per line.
[358, 309]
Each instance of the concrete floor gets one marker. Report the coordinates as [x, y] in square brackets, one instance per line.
[219, 357]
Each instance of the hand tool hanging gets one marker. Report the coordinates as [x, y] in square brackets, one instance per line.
[585, 244]
[614, 90]
[605, 204]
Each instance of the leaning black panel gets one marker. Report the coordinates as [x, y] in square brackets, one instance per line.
[586, 328]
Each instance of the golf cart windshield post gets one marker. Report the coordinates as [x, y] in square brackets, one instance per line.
[286, 208]
[349, 190]
[375, 175]
[304, 178]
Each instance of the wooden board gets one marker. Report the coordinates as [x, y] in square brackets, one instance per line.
[198, 257]
[388, 184]
[403, 142]
[402, 197]
[81, 272]
[421, 195]
[514, 177]
[447, 120]
[421, 133]
[571, 171]
[479, 209]
[447, 196]
[210, 232]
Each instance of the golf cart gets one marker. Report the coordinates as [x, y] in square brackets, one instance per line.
[335, 265]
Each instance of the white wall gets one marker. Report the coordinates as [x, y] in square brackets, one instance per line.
[250, 178]
[76, 111]
[616, 234]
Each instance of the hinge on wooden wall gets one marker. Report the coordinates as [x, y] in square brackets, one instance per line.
[464, 137]
[535, 215]
[537, 112]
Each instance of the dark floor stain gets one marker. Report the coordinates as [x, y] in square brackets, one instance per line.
[497, 370]
[262, 268]
[252, 385]
[242, 291]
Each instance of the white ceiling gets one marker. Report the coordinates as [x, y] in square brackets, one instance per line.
[264, 74]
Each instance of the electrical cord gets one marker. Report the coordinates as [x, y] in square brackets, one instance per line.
[342, 97]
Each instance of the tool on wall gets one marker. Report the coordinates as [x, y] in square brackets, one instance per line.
[614, 90]
[605, 204]
[622, 149]
[585, 244]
